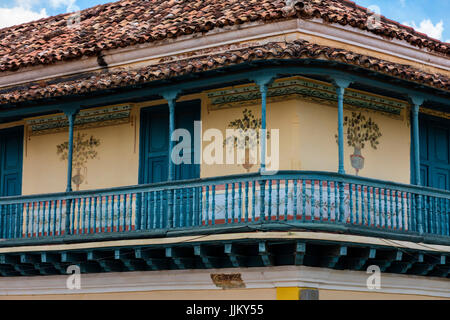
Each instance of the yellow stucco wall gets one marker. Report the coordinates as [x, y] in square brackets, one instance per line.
[307, 139]
[116, 164]
[307, 142]
[319, 150]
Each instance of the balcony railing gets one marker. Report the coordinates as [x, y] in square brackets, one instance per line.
[287, 198]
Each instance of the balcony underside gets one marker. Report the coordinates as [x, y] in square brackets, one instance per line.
[240, 250]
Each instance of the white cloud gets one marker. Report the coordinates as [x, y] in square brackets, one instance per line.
[427, 27]
[403, 3]
[21, 11]
[28, 4]
[18, 15]
[62, 3]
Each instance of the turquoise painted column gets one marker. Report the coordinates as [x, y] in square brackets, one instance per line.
[263, 89]
[340, 91]
[416, 102]
[171, 130]
[71, 114]
[341, 85]
[171, 98]
[70, 153]
[263, 81]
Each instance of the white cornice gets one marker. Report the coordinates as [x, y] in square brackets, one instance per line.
[228, 36]
[253, 278]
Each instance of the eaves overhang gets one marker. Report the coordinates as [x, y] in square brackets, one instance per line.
[232, 75]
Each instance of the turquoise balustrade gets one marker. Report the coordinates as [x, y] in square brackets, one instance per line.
[285, 198]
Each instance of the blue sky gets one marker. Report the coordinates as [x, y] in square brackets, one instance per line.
[428, 16]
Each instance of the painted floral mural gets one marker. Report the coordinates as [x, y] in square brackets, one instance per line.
[84, 149]
[360, 132]
[249, 127]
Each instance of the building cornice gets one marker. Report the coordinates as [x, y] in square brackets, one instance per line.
[251, 278]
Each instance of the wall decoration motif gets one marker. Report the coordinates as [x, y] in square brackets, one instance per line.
[84, 149]
[360, 131]
[86, 119]
[303, 88]
[248, 127]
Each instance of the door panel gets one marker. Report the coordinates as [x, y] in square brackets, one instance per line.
[441, 178]
[155, 142]
[440, 144]
[435, 152]
[424, 174]
[423, 140]
[11, 153]
[11, 158]
[185, 118]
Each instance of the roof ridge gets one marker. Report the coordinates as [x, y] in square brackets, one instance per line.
[48, 40]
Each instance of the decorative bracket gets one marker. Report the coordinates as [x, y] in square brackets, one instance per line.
[264, 79]
[341, 83]
[416, 100]
[70, 111]
[171, 95]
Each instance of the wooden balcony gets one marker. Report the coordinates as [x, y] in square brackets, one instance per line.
[182, 225]
[287, 200]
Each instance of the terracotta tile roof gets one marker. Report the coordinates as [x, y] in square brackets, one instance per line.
[130, 22]
[178, 66]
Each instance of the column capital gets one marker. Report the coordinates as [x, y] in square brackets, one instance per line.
[416, 101]
[341, 82]
[171, 95]
[264, 80]
[70, 111]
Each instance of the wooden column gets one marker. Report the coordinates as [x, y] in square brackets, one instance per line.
[341, 84]
[171, 97]
[416, 103]
[71, 117]
[263, 81]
